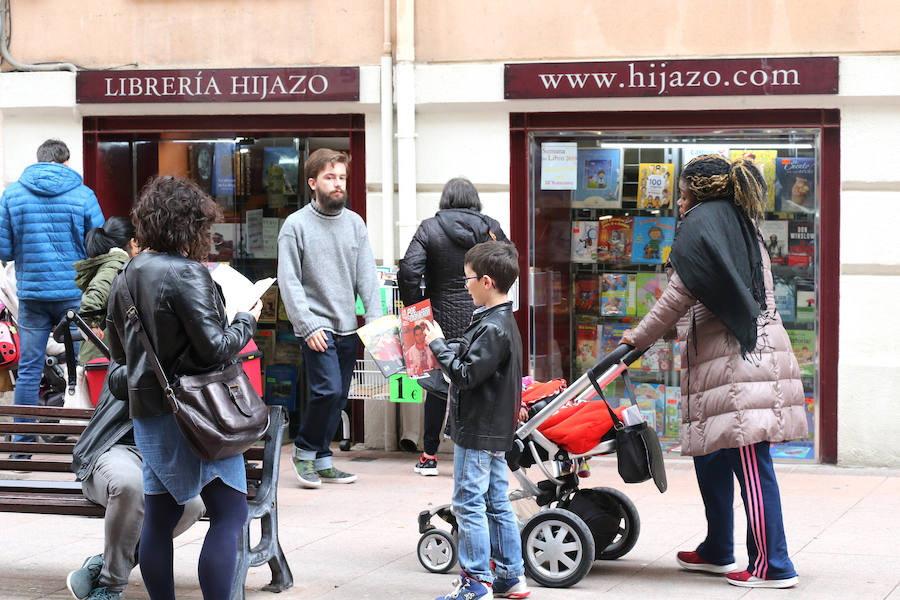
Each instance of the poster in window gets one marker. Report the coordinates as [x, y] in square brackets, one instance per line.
[559, 165]
[599, 180]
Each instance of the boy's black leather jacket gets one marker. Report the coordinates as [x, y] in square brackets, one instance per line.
[108, 425]
[485, 371]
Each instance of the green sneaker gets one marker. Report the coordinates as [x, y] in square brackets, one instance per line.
[306, 473]
[332, 475]
[81, 581]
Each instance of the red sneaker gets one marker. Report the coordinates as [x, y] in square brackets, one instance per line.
[745, 579]
[692, 562]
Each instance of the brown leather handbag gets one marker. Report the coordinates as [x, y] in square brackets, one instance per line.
[219, 412]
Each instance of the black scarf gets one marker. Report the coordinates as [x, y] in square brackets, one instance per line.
[716, 253]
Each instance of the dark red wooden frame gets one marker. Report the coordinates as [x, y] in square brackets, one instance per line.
[827, 121]
[128, 128]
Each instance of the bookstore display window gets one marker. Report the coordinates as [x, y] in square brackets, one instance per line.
[603, 218]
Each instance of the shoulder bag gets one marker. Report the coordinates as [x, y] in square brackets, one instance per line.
[219, 412]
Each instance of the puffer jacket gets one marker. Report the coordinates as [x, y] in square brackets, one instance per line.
[729, 401]
[437, 251]
[182, 311]
[94, 276]
[44, 217]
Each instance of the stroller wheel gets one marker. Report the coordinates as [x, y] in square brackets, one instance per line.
[437, 551]
[629, 526]
[557, 547]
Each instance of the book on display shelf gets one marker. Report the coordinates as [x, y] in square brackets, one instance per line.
[617, 295]
[673, 412]
[586, 292]
[651, 399]
[269, 299]
[689, 154]
[614, 239]
[765, 162]
[775, 237]
[677, 346]
[785, 302]
[653, 237]
[801, 242]
[280, 174]
[584, 241]
[806, 301]
[803, 344]
[649, 288]
[658, 357]
[585, 345]
[599, 181]
[795, 185]
[656, 185]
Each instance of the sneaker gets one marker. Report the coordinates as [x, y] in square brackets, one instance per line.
[511, 588]
[426, 466]
[104, 593]
[692, 562]
[306, 473]
[466, 588]
[333, 475]
[584, 469]
[745, 579]
[85, 579]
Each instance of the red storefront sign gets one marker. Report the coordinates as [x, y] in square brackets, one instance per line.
[650, 78]
[296, 84]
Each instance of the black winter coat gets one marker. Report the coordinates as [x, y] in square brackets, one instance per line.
[182, 310]
[437, 251]
[485, 371]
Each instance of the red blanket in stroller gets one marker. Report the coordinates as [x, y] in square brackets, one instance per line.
[579, 427]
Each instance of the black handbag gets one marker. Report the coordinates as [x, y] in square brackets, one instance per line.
[638, 451]
[219, 412]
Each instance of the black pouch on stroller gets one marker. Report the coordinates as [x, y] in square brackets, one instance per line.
[600, 513]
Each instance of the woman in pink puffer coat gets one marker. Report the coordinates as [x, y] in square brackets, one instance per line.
[741, 387]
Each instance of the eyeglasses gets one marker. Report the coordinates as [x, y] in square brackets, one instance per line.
[466, 279]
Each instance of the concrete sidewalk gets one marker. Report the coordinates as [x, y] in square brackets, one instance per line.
[359, 540]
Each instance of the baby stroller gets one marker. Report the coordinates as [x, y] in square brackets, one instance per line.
[573, 527]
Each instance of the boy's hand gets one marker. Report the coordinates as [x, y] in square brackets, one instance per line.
[523, 413]
[432, 331]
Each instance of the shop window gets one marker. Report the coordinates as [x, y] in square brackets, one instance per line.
[603, 217]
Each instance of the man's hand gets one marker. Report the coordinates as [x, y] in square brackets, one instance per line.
[317, 341]
[432, 331]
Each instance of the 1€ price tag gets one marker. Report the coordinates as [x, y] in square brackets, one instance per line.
[404, 389]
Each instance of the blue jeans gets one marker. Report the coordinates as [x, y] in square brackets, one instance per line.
[488, 527]
[37, 319]
[329, 374]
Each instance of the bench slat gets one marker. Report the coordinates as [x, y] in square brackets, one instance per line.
[14, 410]
[44, 466]
[37, 447]
[42, 428]
[52, 504]
[30, 485]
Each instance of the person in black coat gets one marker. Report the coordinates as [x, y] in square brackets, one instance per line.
[433, 268]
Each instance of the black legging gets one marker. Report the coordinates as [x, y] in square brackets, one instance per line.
[227, 512]
[435, 407]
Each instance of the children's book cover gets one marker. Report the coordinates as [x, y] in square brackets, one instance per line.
[417, 355]
[656, 182]
[803, 343]
[585, 346]
[651, 399]
[775, 236]
[584, 241]
[785, 303]
[650, 287]
[586, 294]
[658, 357]
[801, 243]
[765, 162]
[795, 185]
[599, 183]
[381, 338]
[614, 239]
[653, 237]
[617, 295]
[673, 412]
[610, 337]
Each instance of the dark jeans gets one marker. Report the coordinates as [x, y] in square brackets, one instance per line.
[435, 409]
[329, 374]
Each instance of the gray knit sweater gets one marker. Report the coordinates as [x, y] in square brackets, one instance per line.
[324, 261]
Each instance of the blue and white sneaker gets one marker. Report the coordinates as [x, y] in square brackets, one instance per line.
[511, 588]
[466, 588]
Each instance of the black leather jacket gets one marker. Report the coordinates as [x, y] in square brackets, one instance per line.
[436, 252]
[485, 371]
[182, 310]
[108, 426]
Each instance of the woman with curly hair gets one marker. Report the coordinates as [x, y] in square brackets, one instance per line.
[183, 314]
[741, 383]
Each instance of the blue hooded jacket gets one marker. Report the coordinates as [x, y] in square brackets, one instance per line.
[43, 220]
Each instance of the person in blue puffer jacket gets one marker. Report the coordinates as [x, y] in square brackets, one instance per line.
[44, 217]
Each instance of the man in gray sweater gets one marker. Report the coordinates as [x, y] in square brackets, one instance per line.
[324, 261]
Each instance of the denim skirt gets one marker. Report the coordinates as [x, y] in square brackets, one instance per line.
[171, 467]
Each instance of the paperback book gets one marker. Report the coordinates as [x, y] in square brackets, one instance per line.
[599, 183]
[673, 412]
[417, 355]
[240, 293]
[269, 305]
[585, 346]
[584, 241]
[610, 337]
[381, 338]
[803, 343]
[653, 237]
[586, 294]
[650, 287]
[658, 357]
[617, 296]
[614, 239]
[785, 303]
[801, 243]
[656, 182]
[795, 185]
[775, 236]
[806, 301]
[765, 162]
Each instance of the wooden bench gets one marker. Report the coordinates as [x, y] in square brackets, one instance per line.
[39, 493]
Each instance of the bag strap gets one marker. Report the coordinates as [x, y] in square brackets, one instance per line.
[617, 422]
[134, 318]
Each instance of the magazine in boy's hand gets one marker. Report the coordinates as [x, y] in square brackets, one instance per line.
[418, 356]
[240, 293]
[381, 338]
